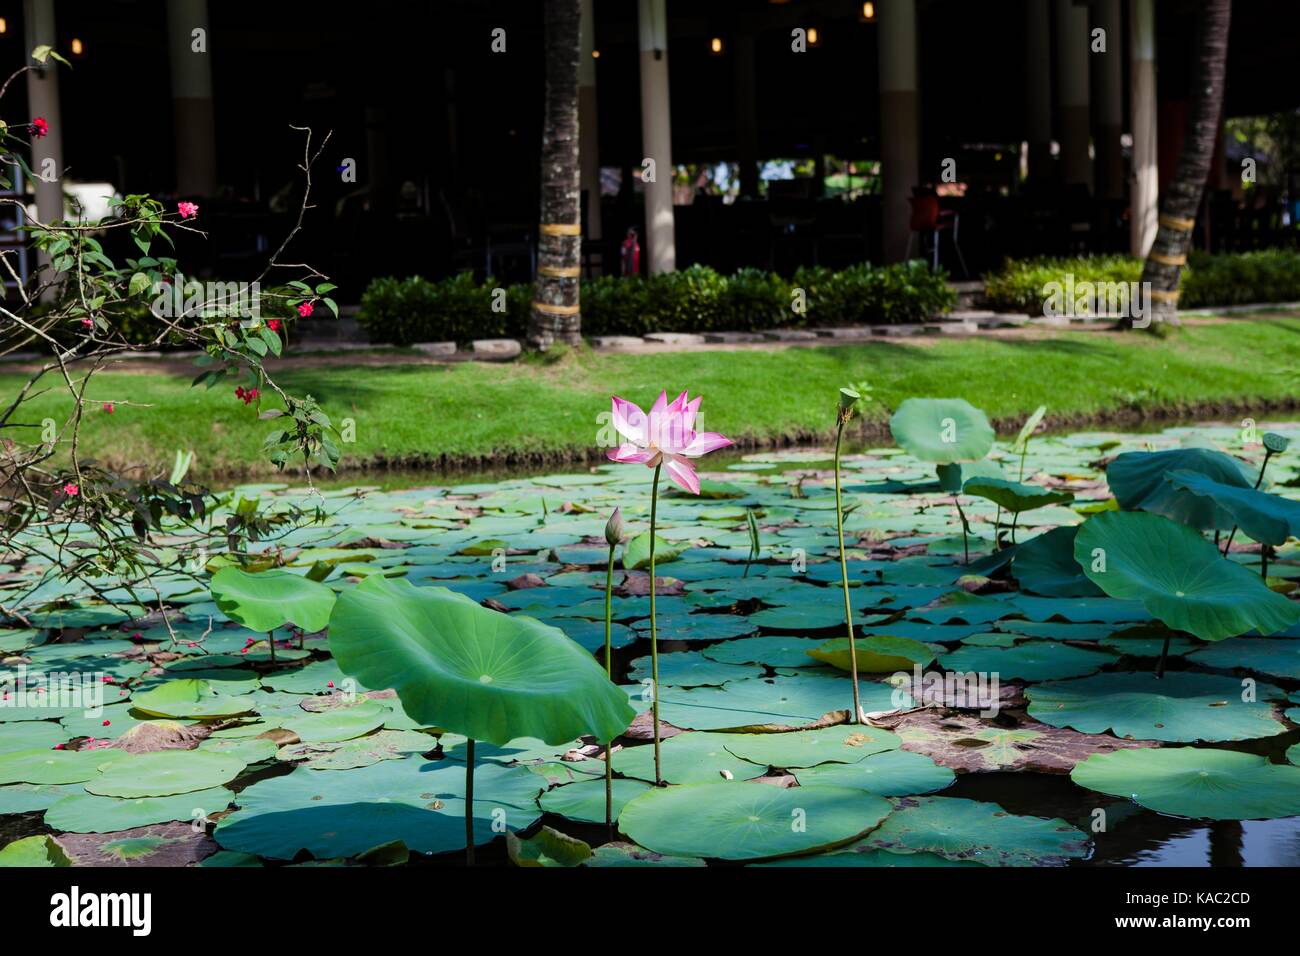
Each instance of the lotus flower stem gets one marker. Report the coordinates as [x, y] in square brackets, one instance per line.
[856, 717]
[469, 802]
[1164, 653]
[654, 624]
[270, 640]
[1268, 453]
[965, 526]
[609, 674]
[1263, 562]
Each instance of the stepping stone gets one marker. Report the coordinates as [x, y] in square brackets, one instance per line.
[1004, 320]
[897, 331]
[675, 338]
[617, 342]
[789, 335]
[732, 338]
[496, 349]
[1057, 321]
[847, 332]
[965, 315]
[435, 348]
[953, 328]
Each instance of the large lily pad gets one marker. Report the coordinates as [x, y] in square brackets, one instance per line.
[164, 773]
[1138, 481]
[49, 766]
[87, 813]
[876, 654]
[893, 773]
[1196, 782]
[1180, 707]
[1045, 565]
[190, 698]
[1277, 657]
[785, 701]
[1267, 518]
[942, 430]
[843, 743]
[1029, 661]
[1178, 576]
[266, 600]
[748, 821]
[696, 757]
[971, 830]
[472, 670]
[1015, 496]
[585, 800]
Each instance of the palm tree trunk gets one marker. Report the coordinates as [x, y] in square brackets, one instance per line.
[1182, 197]
[554, 316]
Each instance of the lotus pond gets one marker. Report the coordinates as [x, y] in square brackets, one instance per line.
[1127, 696]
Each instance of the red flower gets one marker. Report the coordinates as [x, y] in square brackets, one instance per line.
[39, 127]
[71, 490]
[108, 407]
[188, 210]
[305, 309]
[273, 325]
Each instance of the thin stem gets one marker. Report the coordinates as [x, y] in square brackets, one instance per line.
[844, 580]
[1014, 518]
[469, 802]
[609, 675]
[1258, 481]
[1263, 562]
[965, 545]
[654, 623]
[1164, 653]
[270, 639]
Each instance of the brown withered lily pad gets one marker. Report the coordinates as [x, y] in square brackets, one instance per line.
[637, 584]
[165, 844]
[964, 743]
[155, 735]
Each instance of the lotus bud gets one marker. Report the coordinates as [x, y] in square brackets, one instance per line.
[848, 398]
[1276, 443]
[614, 528]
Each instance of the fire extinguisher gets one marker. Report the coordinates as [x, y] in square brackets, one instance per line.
[631, 254]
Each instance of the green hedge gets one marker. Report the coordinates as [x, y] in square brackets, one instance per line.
[1270, 275]
[696, 299]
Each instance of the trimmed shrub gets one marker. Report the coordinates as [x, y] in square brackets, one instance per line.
[697, 299]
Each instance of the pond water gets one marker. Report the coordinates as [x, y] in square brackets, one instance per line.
[734, 637]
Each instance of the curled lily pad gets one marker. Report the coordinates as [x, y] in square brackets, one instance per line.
[1267, 518]
[748, 821]
[1015, 496]
[1182, 706]
[34, 851]
[1178, 576]
[547, 847]
[942, 430]
[1196, 782]
[473, 670]
[1046, 565]
[876, 654]
[1137, 479]
[269, 599]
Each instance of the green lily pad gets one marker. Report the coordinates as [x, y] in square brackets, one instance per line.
[774, 651]
[1029, 661]
[1015, 496]
[748, 821]
[1138, 481]
[941, 430]
[691, 669]
[876, 654]
[340, 723]
[961, 829]
[358, 751]
[191, 699]
[787, 700]
[1277, 657]
[547, 847]
[270, 599]
[636, 553]
[868, 858]
[585, 800]
[164, 773]
[1196, 782]
[34, 851]
[1180, 707]
[1267, 518]
[1045, 565]
[696, 757]
[473, 670]
[49, 766]
[1179, 577]
[86, 813]
[893, 773]
[843, 743]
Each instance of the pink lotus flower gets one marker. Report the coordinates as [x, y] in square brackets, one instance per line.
[187, 210]
[666, 436]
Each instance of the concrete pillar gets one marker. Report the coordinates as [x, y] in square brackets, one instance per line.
[656, 134]
[1144, 194]
[588, 140]
[746, 114]
[1110, 100]
[43, 101]
[1072, 90]
[899, 121]
[193, 121]
[1038, 88]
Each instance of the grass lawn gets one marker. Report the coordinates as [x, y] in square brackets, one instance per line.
[533, 410]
